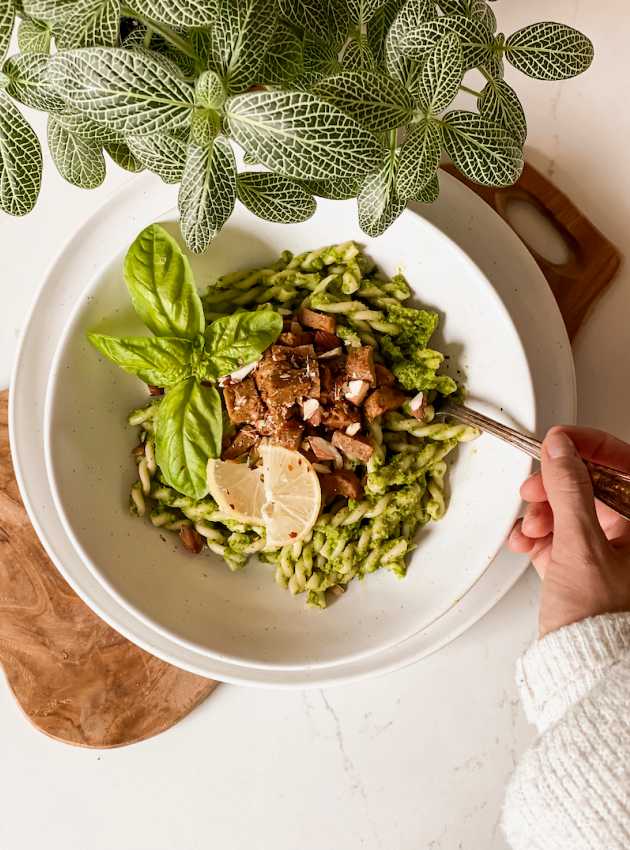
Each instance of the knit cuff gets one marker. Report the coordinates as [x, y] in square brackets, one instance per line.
[559, 670]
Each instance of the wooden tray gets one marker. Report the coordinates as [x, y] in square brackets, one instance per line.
[77, 679]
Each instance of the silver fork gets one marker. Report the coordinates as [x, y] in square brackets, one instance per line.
[611, 486]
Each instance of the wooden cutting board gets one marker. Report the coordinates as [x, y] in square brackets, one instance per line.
[77, 679]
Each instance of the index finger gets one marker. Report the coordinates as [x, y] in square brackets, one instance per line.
[598, 446]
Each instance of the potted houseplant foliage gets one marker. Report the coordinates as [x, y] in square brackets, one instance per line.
[333, 98]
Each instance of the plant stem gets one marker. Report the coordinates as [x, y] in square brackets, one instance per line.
[166, 32]
[146, 41]
[470, 91]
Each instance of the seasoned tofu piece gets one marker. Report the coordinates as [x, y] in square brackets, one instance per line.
[243, 442]
[285, 375]
[326, 342]
[341, 482]
[355, 448]
[288, 434]
[317, 321]
[384, 378]
[292, 338]
[243, 402]
[337, 415]
[381, 400]
[360, 364]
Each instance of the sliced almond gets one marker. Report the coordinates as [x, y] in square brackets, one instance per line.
[353, 429]
[334, 352]
[324, 450]
[309, 408]
[357, 391]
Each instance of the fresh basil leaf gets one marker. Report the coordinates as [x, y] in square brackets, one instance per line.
[78, 160]
[158, 360]
[441, 75]
[34, 36]
[499, 103]
[377, 102]
[284, 60]
[234, 341]
[20, 160]
[379, 202]
[240, 38]
[90, 23]
[207, 193]
[189, 430]
[476, 39]
[161, 285]
[127, 90]
[549, 51]
[483, 151]
[28, 82]
[419, 158]
[177, 13]
[7, 20]
[301, 136]
[162, 153]
[273, 197]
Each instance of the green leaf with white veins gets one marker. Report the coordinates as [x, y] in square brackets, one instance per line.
[441, 75]
[483, 151]
[78, 124]
[162, 286]
[158, 360]
[126, 90]
[189, 429]
[320, 60]
[379, 202]
[209, 90]
[162, 153]
[301, 136]
[412, 14]
[419, 158]
[7, 20]
[499, 103]
[28, 82]
[549, 51]
[357, 54]
[429, 193]
[238, 340]
[20, 160]
[240, 38]
[379, 25]
[34, 36]
[362, 11]
[284, 59]
[123, 157]
[325, 19]
[177, 13]
[377, 102]
[336, 190]
[51, 11]
[273, 197]
[78, 160]
[207, 193]
[477, 9]
[476, 39]
[91, 23]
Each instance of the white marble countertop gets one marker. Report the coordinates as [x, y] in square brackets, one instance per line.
[417, 759]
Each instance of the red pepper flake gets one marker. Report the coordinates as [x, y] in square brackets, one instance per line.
[290, 468]
[232, 506]
[293, 534]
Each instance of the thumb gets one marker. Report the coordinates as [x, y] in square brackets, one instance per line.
[569, 491]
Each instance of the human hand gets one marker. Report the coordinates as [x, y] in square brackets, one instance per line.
[579, 547]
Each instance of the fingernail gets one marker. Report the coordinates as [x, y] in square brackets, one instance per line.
[558, 445]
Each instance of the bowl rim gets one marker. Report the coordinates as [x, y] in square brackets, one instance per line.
[242, 661]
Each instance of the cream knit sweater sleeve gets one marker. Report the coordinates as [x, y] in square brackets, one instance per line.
[571, 790]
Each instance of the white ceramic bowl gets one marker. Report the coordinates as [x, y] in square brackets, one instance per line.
[244, 618]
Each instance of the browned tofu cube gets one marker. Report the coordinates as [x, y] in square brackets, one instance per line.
[326, 342]
[355, 448]
[242, 443]
[384, 378]
[342, 482]
[382, 400]
[285, 375]
[317, 321]
[243, 402]
[337, 415]
[360, 364]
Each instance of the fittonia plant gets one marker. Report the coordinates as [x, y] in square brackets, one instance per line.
[334, 98]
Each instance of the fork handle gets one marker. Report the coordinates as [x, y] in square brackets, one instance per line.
[612, 487]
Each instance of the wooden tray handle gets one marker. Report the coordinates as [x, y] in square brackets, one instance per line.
[593, 260]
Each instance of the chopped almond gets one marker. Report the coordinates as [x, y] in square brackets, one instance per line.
[418, 406]
[353, 429]
[355, 448]
[381, 400]
[310, 407]
[357, 391]
[324, 450]
[317, 321]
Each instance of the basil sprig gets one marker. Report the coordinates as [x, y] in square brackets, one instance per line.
[183, 355]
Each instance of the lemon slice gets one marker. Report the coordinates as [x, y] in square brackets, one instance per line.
[292, 495]
[237, 490]
[283, 495]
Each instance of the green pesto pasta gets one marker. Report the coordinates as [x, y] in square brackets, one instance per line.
[404, 478]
